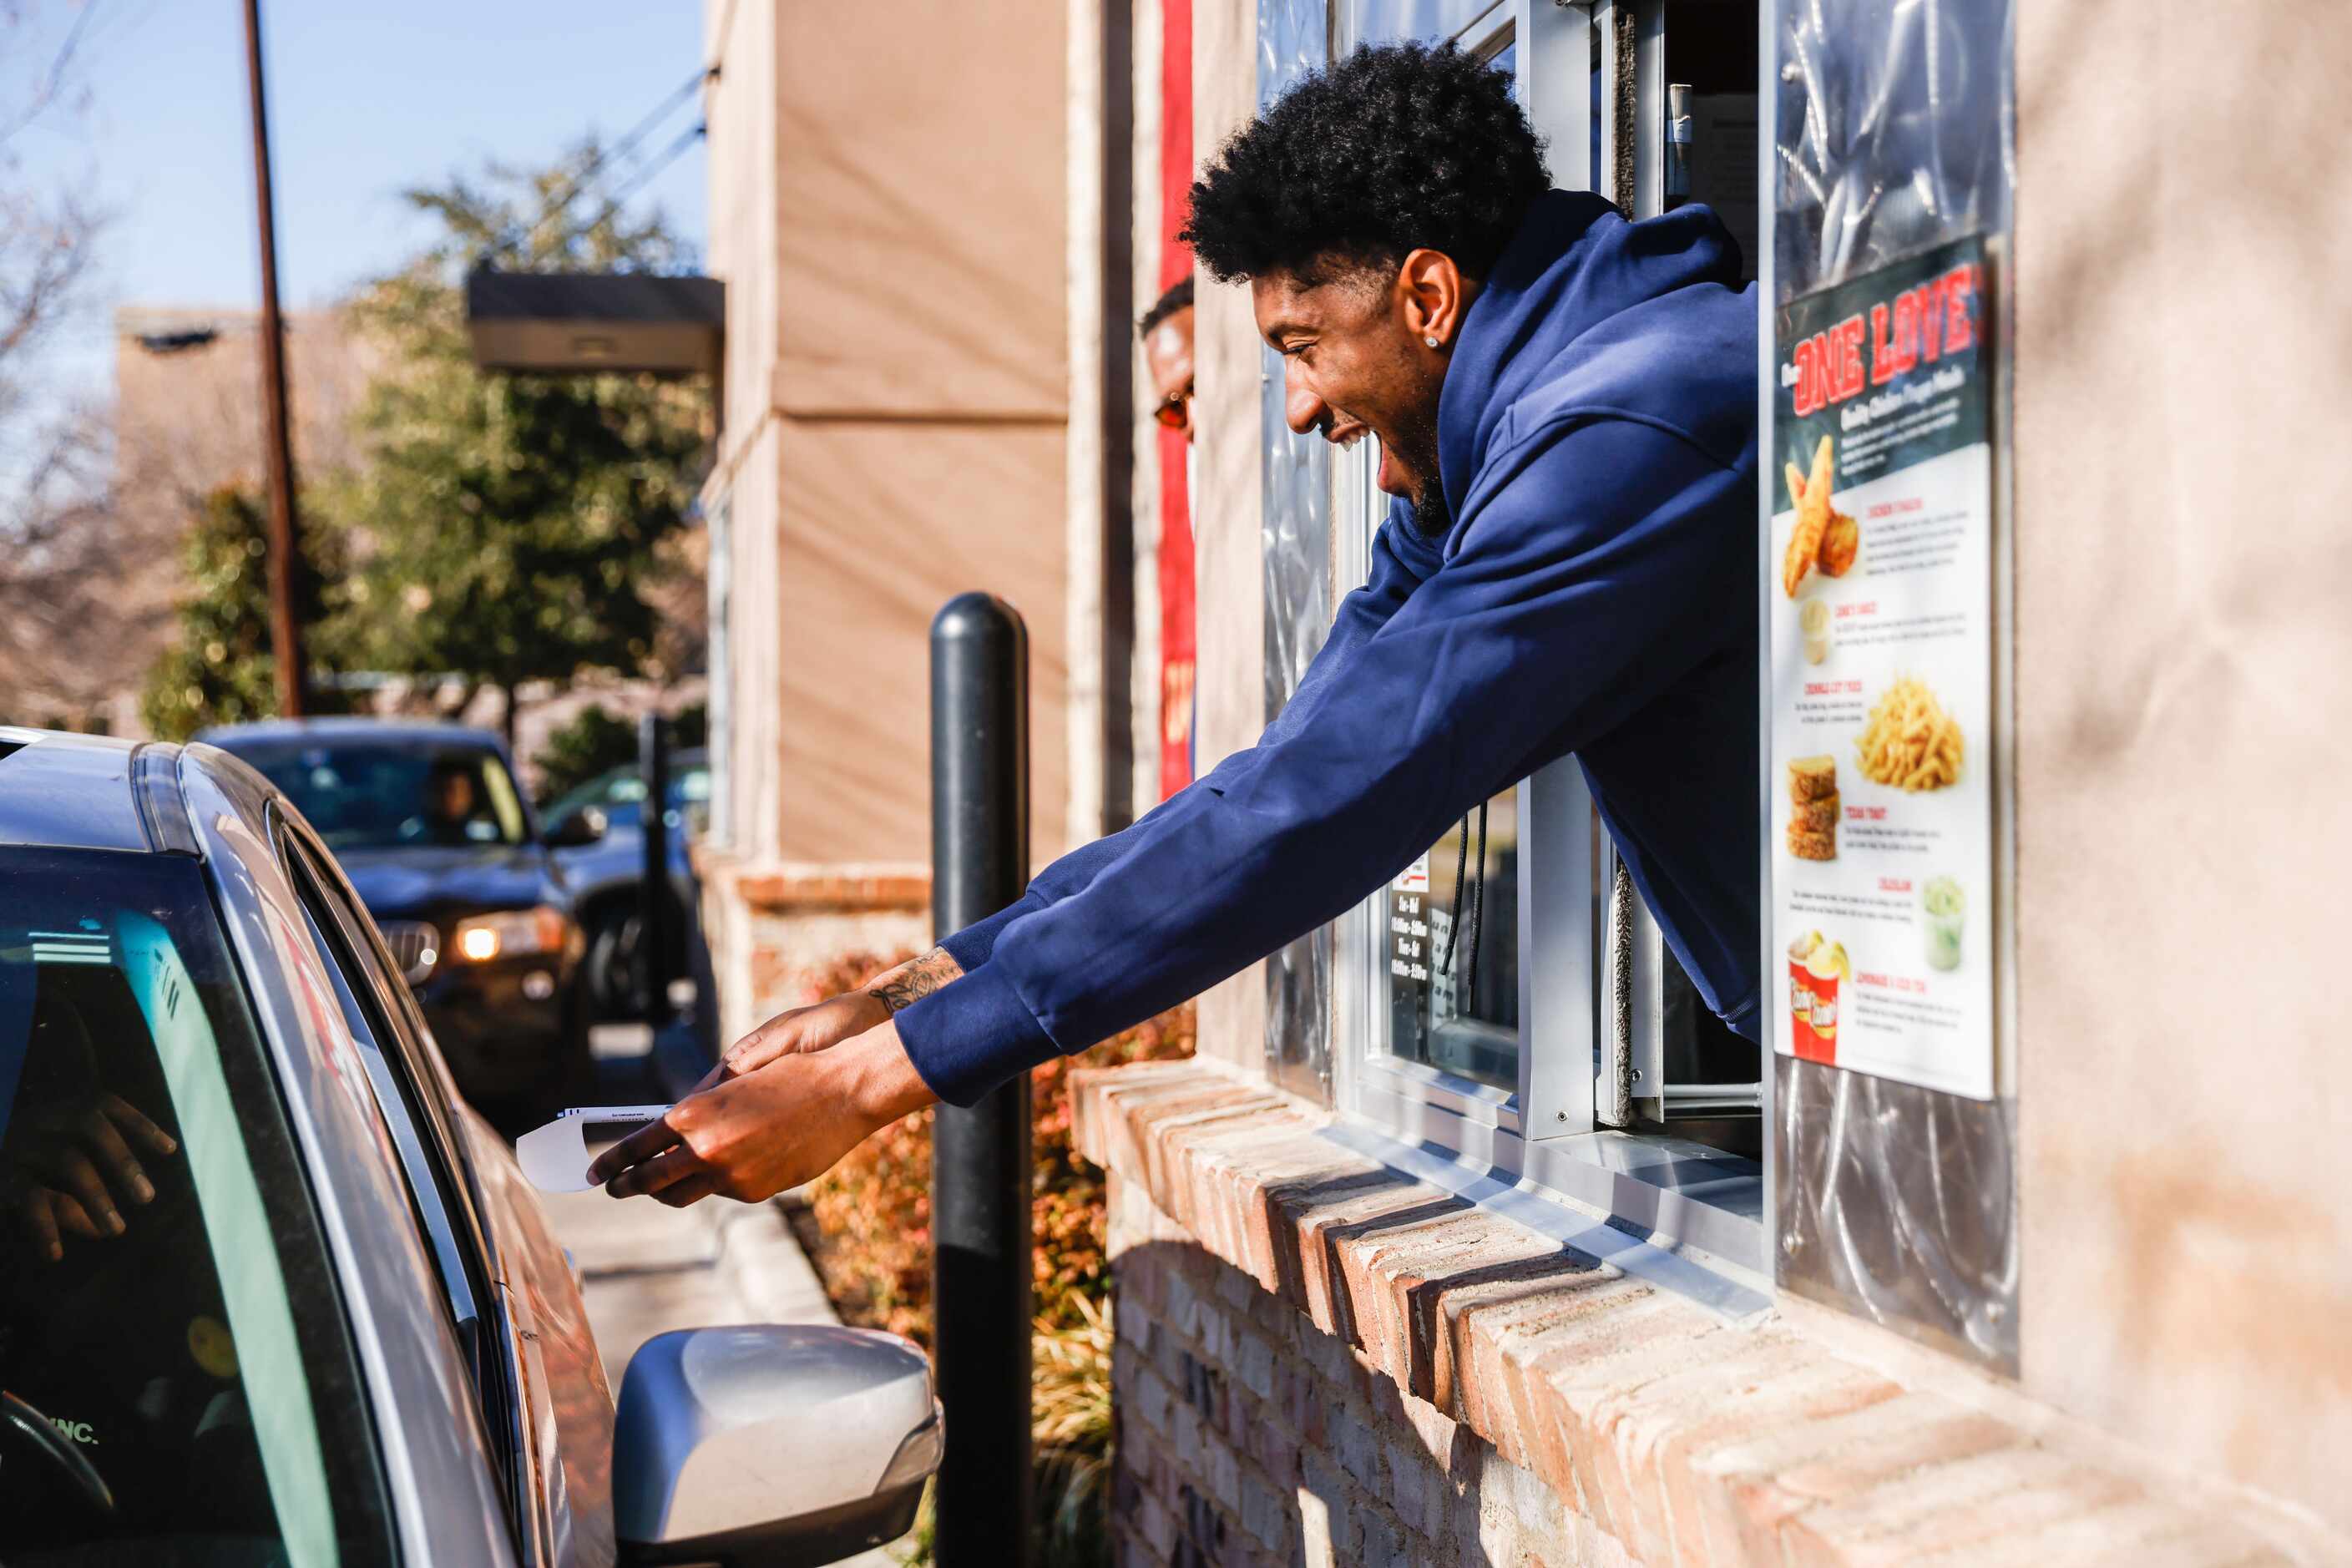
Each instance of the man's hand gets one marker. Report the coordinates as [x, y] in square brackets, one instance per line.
[836, 1018]
[800, 1030]
[752, 1137]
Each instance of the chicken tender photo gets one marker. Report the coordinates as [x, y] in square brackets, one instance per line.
[1839, 545]
[1841, 538]
[1811, 494]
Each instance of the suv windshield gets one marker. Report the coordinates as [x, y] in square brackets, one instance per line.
[175, 1384]
[363, 795]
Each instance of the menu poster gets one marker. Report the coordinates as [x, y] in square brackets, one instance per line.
[1881, 647]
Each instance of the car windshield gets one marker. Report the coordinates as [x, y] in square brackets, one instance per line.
[373, 795]
[178, 1385]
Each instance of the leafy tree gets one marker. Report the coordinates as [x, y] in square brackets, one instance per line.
[222, 671]
[514, 523]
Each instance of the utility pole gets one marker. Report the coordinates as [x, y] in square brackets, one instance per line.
[286, 561]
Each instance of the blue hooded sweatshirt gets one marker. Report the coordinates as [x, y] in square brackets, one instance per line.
[1593, 592]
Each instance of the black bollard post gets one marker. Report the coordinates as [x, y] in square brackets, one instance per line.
[980, 1157]
[653, 942]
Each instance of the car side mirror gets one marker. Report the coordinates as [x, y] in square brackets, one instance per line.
[576, 829]
[773, 1445]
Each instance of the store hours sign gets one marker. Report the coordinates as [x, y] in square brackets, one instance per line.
[1880, 641]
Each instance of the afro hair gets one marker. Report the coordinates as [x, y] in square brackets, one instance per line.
[1394, 148]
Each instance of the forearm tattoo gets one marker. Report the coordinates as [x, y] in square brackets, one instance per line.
[910, 983]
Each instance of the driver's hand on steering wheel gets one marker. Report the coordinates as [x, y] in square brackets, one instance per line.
[72, 1171]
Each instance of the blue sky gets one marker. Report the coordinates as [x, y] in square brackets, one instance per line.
[365, 97]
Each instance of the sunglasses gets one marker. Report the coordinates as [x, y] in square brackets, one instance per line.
[1174, 408]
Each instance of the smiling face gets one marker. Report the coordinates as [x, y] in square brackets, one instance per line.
[1364, 351]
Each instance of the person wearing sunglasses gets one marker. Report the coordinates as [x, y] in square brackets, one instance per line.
[1167, 332]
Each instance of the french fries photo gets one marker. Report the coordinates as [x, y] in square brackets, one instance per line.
[1909, 741]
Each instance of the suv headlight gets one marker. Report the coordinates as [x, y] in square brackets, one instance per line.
[512, 933]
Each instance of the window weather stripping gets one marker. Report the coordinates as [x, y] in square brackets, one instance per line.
[155, 786]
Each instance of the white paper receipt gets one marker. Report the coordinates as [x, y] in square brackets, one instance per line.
[556, 1156]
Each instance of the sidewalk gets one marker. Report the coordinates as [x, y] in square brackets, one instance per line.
[646, 1270]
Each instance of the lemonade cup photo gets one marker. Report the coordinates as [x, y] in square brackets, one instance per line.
[1943, 912]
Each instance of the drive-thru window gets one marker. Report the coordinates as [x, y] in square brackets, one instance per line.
[1508, 998]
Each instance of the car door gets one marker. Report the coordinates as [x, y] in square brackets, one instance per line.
[537, 1369]
[440, 1469]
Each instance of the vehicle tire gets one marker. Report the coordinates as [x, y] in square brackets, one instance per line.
[608, 971]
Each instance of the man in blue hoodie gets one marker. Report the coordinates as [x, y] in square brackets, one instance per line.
[1566, 407]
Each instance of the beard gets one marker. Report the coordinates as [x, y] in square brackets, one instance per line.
[1430, 518]
[1415, 451]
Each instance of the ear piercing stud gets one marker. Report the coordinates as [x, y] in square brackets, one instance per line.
[1430, 341]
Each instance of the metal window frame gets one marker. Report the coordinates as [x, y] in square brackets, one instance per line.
[1540, 1143]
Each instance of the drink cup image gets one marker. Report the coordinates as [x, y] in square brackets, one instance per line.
[1813, 620]
[1943, 913]
[1826, 968]
[1800, 993]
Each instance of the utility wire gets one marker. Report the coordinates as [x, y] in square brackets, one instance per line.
[643, 173]
[636, 133]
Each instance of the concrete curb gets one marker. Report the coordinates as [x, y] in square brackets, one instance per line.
[759, 1260]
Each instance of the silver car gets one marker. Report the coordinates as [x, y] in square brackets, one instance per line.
[270, 1293]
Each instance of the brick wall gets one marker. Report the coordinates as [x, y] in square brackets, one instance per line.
[1248, 1436]
[1322, 1360]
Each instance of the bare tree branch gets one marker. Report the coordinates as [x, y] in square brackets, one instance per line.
[50, 85]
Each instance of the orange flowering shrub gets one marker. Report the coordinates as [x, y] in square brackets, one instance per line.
[872, 1239]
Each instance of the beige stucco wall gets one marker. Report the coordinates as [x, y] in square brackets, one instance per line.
[920, 378]
[740, 111]
[2184, 366]
[881, 527]
[887, 211]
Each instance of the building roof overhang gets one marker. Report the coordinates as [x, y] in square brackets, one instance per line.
[580, 323]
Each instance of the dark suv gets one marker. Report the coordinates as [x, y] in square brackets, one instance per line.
[428, 824]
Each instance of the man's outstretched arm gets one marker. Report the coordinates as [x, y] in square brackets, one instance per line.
[1608, 569]
[836, 1018]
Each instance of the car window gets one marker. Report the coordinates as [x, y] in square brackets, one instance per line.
[361, 794]
[410, 1095]
[611, 787]
[176, 1381]
[432, 1192]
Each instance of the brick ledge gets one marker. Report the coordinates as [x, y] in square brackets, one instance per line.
[809, 887]
[1688, 1439]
